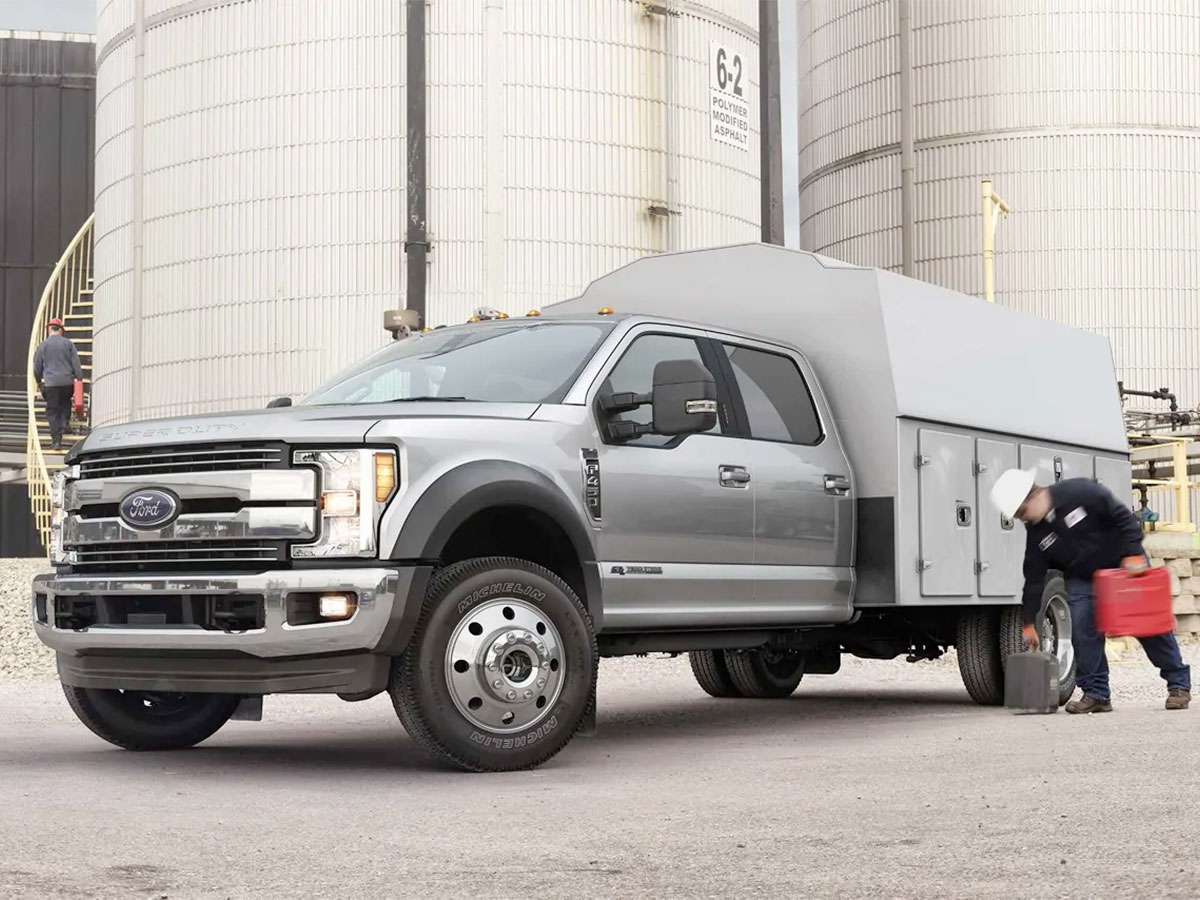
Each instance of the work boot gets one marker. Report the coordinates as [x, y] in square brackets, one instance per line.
[1086, 704]
[1178, 698]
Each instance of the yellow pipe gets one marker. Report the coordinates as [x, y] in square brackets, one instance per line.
[993, 206]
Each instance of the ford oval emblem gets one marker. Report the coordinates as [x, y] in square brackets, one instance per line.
[149, 508]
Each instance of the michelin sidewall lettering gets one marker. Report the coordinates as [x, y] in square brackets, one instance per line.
[560, 723]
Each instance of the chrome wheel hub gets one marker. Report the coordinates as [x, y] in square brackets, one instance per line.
[1056, 635]
[505, 665]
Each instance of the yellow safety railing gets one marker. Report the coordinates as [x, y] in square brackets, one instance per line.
[1178, 483]
[67, 296]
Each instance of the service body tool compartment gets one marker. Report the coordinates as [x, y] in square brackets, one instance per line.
[946, 464]
[1001, 541]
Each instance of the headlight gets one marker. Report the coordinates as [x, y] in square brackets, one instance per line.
[58, 489]
[356, 486]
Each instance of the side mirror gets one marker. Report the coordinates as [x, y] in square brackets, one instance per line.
[684, 399]
[279, 401]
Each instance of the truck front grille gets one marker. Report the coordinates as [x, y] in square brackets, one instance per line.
[153, 461]
[175, 556]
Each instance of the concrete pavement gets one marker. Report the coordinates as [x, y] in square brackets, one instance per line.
[881, 781]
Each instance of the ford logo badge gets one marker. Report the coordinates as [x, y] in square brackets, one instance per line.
[150, 508]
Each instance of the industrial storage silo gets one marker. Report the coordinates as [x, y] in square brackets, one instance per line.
[1085, 114]
[253, 212]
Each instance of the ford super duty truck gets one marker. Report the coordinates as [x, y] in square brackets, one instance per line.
[759, 457]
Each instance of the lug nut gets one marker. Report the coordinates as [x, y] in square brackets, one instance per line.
[492, 666]
[528, 694]
[497, 684]
[512, 695]
[541, 682]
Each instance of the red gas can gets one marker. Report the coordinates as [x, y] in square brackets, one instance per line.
[1133, 605]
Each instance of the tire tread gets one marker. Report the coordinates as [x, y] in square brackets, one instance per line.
[711, 673]
[978, 644]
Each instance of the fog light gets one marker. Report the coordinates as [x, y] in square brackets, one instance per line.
[336, 606]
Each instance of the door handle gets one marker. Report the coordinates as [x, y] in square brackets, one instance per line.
[837, 484]
[733, 476]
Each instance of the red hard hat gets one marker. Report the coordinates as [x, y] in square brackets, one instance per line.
[57, 322]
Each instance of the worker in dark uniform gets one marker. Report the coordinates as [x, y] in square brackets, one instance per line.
[56, 367]
[1078, 527]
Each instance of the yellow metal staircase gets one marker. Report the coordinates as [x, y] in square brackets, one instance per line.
[68, 296]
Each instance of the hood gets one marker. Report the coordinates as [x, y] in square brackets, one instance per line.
[290, 424]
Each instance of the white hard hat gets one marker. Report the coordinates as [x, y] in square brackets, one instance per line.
[1011, 489]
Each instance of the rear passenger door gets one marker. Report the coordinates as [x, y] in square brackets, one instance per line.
[804, 514]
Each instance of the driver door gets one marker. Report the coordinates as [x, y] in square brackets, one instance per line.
[677, 532]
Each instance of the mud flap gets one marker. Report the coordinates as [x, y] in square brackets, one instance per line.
[249, 710]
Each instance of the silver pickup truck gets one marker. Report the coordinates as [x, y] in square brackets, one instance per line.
[759, 457]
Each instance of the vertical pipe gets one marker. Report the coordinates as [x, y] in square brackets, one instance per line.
[770, 125]
[416, 239]
[139, 217]
[989, 249]
[907, 153]
[1182, 488]
[670, 167]
[493, 153]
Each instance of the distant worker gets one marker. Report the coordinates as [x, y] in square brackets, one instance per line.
[56, 368]
[1078, 527]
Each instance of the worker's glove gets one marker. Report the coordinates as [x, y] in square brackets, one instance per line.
[1135, 565]
[1033, 640]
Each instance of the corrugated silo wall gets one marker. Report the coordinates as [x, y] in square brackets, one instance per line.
[47, 101]
[257, 159]
[1087, 117]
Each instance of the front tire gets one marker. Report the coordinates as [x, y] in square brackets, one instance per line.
[765, 673]
[500, 672]
[149, 720]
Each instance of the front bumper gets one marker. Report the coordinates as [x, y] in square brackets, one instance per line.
[383, 595]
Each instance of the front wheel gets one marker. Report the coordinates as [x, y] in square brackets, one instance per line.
[151, 720]
[500, 672]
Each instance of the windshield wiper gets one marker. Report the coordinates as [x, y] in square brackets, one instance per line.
[427, 399]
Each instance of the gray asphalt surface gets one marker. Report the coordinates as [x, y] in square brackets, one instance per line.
[881, 781]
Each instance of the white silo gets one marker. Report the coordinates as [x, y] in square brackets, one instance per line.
[252, 211]
[1084, 113]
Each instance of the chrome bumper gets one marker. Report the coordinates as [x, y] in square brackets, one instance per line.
[381, 595]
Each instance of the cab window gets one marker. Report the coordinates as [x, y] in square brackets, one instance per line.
[777, 401]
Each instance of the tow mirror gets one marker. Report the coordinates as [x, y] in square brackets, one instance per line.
[279, 401]
[684, 398]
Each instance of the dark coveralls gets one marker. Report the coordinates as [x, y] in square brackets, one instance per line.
[56, 367]
[1088, 529]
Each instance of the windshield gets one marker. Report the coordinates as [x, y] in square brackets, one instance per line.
[494, 362]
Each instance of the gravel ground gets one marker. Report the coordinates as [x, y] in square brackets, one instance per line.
[882, 781]
[22, 655]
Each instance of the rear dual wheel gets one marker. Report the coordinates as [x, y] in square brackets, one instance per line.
[760, 673]
[989, 635]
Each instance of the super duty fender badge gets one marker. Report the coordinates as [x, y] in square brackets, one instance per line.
[591, 482]
[637, 570]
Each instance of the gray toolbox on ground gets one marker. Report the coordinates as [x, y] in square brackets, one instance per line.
[1031, 682]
